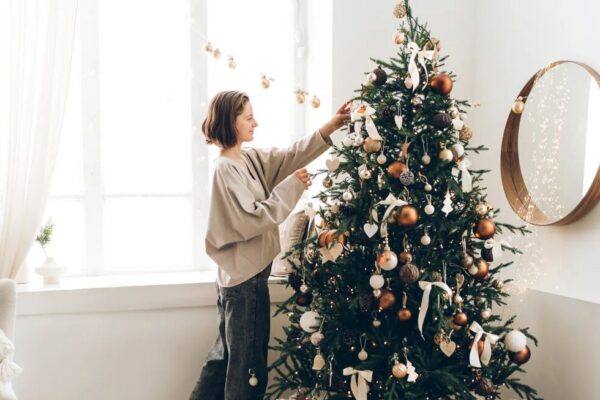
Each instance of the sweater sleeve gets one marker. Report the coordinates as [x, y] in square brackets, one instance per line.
[235, 215]
[279, 163]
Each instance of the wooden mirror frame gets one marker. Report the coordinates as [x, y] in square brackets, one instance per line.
[512, 179]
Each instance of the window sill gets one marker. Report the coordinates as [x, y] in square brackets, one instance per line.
[119, 293]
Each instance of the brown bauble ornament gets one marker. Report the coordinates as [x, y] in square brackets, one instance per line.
[396, 168]
[378, 77]
[442, 84]
[371, 145]
[408, 216]
[386, 300]
[405, 257]
[304, 299]
[404, 314]
[460, 318]
[484, 229]
[327, 182]
[442, 120]
[482, 269]
[484, 387]
[409, 273]
[480, 346]
[521, 357]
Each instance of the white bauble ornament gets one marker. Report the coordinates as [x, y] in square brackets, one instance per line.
[515, 341]
[363, 355]
[381, 159]
[310, 321]
[347, 196]
[425, 240]
[457, 150]
[376, 281]
[316, 338]
[347, 141]
[429, 209]
[408, 83]
[304, 288]
[446, 155]
[486, 314]
[377, 292]
[428, 187]
[376, 323]
[364, 174]
[387, 260]
[231, 63]
[458, 299]
[473, 270]
[253, 381]
[359, 141]
[518, 106]
[426, 159]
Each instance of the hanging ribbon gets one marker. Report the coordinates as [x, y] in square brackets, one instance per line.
[426, 287]
[392, 202]
[466, 179]
[358, 384]
[419, 55]
[362, 110]
[412, 373]
[490, 339]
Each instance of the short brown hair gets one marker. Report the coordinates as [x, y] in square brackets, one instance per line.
[219, 125]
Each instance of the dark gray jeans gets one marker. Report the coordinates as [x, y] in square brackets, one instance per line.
[242, 345]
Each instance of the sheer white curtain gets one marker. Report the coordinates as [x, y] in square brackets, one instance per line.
[36, 44]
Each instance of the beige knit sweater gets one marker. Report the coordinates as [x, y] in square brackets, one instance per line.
[248, 202]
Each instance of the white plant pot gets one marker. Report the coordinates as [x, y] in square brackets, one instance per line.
[50, 271]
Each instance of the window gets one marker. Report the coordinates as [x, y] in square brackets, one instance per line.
[129, 190]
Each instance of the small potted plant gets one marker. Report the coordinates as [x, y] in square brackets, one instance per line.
[49, 269]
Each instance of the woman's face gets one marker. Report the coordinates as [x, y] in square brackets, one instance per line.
[245, 124]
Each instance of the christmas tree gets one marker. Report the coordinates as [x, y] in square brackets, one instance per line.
[396, 287]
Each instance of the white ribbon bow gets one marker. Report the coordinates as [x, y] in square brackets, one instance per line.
[490, 339]
[362, 110]
[426, 287]
[358, 384]
[466, 179]
[392, 202]
[9, 370]
[421, 56]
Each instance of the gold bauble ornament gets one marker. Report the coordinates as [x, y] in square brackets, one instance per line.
[327, 182]
[465, 134]
[216, 54]
[484, 229]
[208, 47]
[481, 209]
[400, 10]
[300, 97]
[405, 257]
[408, 216]
[386, 300]
[371, 145]
[483, 268]
[315, 102]
[433, 44]
[518, 106]
[399, 370]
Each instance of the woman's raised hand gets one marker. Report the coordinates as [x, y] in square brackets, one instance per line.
[302, 174]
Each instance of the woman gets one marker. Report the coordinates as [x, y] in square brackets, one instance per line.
[253, 191]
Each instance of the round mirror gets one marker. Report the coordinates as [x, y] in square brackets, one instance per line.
[550, 150]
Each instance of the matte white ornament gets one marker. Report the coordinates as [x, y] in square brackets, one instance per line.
[310, 321]
[363, 355]
[408, 83]
[457, 150]
[473, 270]
[347, 141]
[426, 159]
[376, 281]
[425, 240]
[347, 196]
[486, 314]
[381, 159]
[515, 341]
[359, 141]
[253, 381]
[316, 338]
[429, 209]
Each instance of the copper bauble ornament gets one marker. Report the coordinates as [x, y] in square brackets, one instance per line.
[460, 318]
[482, 269]
[405, 257]
[465, 134]
[480, 346]
[399, 37]
[396, 169]
[408, 216]
[399, 370]
[327, 237]
[404, 314]
[409, 273]
[441, 120]
[371, 145]
[484, 387]
[386, 300]
[484, 229]
[521, 357]
[442, 84]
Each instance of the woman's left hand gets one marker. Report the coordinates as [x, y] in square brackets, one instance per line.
[337, 121]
